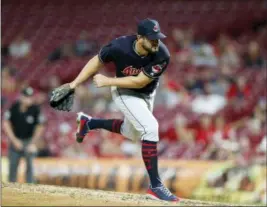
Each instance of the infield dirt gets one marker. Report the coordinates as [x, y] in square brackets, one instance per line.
[15, 194]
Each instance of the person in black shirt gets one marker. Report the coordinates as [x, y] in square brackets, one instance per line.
[23, 124]
[140, 60]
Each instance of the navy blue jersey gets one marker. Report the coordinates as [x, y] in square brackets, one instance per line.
[121, 52]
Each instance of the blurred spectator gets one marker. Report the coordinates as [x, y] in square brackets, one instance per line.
[227, 72]
[261, 109]
[183, 50]
[208, 103]
[261, 152]
[184, 56]
[230, 57]
[83, 46]
[20, 47]
[53, 82]
[65, 51]
[239, 90]
[222, 130]
[244, 153]
[83, 99]
[221, 44]
[178, 37]
[179, 132]
[70, 148]
[75, 150]
[131, 149]
[219, 86]
[194, 83]
[253, 57]
[205, 130]
[204, 55]
[173, 93]
[65, 133]
[259, 115]
[223, 142]
[101, 99]
[254, 132]
[111, 144]
[9, 84]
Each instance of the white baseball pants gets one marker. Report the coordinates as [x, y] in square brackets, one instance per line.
[139, 122]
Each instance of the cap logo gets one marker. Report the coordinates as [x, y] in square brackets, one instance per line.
[155, 28]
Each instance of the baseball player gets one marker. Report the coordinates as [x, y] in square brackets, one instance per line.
[140, 60]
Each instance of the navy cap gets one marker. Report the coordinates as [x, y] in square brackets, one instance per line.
[28, 91]
[150, 28]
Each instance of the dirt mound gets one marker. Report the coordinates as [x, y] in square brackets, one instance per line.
[15, 194]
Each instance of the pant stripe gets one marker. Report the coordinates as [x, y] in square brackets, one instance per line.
[132, 114]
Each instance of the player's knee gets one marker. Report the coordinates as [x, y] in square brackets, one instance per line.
[152, 132]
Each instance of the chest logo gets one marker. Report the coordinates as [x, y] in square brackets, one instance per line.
[30, 119]
[130, 70]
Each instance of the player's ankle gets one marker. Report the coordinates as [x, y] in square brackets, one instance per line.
[156, 185]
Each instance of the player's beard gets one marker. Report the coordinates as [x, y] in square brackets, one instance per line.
[150, 48]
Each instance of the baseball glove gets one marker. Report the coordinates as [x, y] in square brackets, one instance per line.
[62, 98]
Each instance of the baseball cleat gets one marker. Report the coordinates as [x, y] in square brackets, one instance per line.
[82, 129]
[161, 193]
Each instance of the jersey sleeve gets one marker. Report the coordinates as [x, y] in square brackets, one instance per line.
[155, 69]
[107, 53]
[8, 113]
[40, 118]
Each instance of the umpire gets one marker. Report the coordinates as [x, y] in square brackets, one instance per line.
[23, 124]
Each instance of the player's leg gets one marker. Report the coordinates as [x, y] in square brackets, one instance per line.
[29, 157]
[160, 192]
[87, 123]
[14, 159]
[142, 123]
[138, 110]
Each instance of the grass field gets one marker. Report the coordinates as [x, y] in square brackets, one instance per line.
[15, 194]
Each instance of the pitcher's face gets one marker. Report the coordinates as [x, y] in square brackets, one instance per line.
[151, 46]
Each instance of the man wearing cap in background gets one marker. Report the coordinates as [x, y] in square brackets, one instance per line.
[23, 124]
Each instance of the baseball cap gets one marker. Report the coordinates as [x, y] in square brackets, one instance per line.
[27, 91]
[150, 28]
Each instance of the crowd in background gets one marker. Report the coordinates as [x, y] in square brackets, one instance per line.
[208, 86]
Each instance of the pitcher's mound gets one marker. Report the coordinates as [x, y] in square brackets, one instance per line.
[15, 194]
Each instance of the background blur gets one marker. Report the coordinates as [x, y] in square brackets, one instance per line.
[211, 103]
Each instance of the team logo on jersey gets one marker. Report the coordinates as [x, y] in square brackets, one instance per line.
[130, 70]
[158, 68]
[30, 119]
[156, 28]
